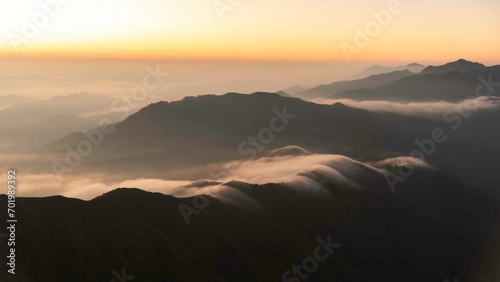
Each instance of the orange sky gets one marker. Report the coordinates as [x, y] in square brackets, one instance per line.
[425, 31]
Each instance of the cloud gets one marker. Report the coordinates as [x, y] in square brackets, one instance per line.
[307, 174]
[43, 185]
[432, 110]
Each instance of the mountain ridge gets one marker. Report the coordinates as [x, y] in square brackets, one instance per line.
[460, 65]
[326, 90]
[152, 229]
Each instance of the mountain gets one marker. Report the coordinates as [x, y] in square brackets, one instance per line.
[185, 137]
[284, 94]
[32, 123]
[329, 90]
[31, 113]
[294, 90]
[452, 86]
[192, 138]
[22, 138]
[451, 82]
[374, 70]
[415, 65]
[11, 100]
[461, 66]
[429, 229]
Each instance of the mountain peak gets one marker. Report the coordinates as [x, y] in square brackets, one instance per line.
[461, 65]
[465, 62]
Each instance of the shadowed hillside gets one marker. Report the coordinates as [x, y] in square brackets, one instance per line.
[419, 233]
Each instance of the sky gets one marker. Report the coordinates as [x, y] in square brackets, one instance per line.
[255, 30]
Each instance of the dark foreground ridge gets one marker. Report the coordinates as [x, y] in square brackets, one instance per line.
[431, 228]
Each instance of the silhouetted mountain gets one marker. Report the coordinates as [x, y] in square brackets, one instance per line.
[374, 70]
[451, 86]
[329, 90]
[192, 138]
[461, 66]
[486, 72]
[452, 82]
[430, 227]
[175, 136]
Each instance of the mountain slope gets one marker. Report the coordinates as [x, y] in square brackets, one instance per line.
[461, 66]
[374, 70]
[428, 229]
[32, 136]
[452, 82]
[327, 90]
[198, 131]
[193, 138]
[452, 87]
[294, 90]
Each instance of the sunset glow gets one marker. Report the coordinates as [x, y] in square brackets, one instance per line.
[250, 30]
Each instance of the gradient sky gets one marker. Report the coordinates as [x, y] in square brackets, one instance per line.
[425, 31]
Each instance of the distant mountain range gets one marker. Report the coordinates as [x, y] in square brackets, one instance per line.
[10, 100]
[174, 136]
[462, 66]
[374, 70]
[451, 86]
[327, 90]
[294, 90]
[22, 138]
[170, 139]
[451, 82]
[28, 123]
